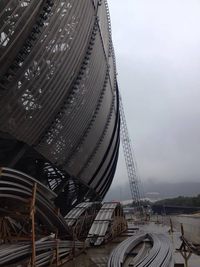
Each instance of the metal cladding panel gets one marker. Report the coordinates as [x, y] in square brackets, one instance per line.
[111, 173]
[85, 149]
[16, 21]
[112, 72]
[33, 96]
[76, 212]
[58, 95]
[108, 169]
[101, 223]
[98, 183]
[96, 2]
[108, 176]
[98, 151]
[63, 136]
[104, 25]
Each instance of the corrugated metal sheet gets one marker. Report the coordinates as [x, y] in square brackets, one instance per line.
[16, 187]
[58, 89]
[76, 212]
[101, 223]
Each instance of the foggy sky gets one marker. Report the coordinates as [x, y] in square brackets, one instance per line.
[157, 47]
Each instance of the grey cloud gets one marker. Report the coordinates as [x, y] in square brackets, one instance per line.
[157, 45]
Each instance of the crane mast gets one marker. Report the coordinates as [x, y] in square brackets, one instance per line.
[129, 157]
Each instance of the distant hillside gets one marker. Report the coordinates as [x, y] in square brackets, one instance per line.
[156, 190]
[170, 189]
[181, 201]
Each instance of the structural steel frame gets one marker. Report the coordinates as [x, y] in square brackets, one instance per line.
[59, 108]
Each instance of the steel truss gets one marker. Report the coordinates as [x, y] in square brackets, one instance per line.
[129, 157]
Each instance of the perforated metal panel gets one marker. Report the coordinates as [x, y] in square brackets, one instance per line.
[59, 116]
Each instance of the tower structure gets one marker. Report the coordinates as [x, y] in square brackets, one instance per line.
[129, 157]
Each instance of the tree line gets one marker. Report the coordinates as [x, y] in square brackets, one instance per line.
[181, 201]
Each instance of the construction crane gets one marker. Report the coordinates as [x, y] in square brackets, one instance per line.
[129, 158]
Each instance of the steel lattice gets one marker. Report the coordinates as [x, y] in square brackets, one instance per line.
[129, 158]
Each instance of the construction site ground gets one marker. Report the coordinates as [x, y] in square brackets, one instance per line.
[98, 256]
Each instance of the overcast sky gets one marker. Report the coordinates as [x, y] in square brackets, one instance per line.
[157, 47]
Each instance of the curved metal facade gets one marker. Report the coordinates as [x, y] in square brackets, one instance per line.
[59, 118]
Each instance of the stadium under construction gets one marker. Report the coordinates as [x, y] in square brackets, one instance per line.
[60, 112]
